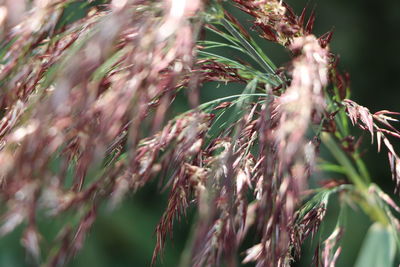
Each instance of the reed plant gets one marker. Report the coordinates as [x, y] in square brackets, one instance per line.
[86, 93]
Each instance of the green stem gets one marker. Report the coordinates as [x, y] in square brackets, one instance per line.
[362, 184]
[254, 52]
[342, 158]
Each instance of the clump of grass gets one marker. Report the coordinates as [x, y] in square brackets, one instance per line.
[84, 106]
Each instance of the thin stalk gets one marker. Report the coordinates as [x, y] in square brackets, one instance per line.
[342, 158]
[255, 53]
[362, 184]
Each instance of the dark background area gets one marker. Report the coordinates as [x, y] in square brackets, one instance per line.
[366, 36]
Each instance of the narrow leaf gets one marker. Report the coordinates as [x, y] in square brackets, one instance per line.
[378, 249]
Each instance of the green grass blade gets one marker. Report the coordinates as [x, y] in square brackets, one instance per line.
[254, 51]
[378, 249]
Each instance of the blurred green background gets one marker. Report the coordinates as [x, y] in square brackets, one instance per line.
[367, 38]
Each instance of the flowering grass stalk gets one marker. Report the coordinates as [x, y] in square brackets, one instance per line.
[84, 106]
